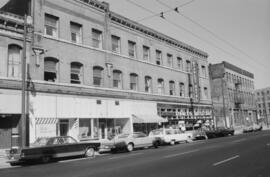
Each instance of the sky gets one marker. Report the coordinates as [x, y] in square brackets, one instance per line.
[237, 31]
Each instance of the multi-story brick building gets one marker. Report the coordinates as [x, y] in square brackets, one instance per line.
[263, 105]
[232, 96]
[93, 72]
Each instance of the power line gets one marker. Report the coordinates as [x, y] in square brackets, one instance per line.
[186, 30]
[209, 31]
[157, 14]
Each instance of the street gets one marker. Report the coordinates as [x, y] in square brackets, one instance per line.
[234, 156]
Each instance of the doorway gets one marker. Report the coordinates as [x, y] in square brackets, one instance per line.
[63, 127]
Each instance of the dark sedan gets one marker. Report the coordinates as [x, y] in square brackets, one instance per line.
[45, 149]
[219, 132]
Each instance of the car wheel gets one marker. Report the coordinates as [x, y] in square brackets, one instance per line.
[45, 159]
[156, 144]
[172, 142]
[130, 147]
[90, 152]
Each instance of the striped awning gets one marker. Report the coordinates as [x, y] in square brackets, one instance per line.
[45, 120]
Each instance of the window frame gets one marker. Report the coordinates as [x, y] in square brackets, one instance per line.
[146, 52]
[78, 33]
[158, 57]
[99, 40]
[98, 76]
[49, 25]
[131, 85]
[132, 49]
[79, 74]
[119, 81]
[118, 43]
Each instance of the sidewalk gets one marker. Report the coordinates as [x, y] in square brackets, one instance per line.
[3, 163]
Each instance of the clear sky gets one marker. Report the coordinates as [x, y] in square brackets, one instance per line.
[237, 31]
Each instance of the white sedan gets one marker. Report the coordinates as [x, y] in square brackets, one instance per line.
[171, 136]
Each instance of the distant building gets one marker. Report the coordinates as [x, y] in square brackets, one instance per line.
[263, 105]
[93, 73]
[232, 90]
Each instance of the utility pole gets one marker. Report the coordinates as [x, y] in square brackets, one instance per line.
[27, 22]
[23, 104]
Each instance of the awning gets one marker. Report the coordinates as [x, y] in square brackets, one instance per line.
[139, 118]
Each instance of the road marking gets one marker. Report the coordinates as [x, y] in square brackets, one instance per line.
[73, 160]
[179, 154]
[268, 144]
[237, 141]
[119, 157]
[226, 160]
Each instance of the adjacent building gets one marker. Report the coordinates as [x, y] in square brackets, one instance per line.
[263, 105]
[92, 73]
[232, 96]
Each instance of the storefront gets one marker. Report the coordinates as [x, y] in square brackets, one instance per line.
[193, 117]
[10, 114]
[87, 118]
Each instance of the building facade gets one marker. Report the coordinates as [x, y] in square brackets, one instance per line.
[232, 95]
[93, 73]
[263, 105]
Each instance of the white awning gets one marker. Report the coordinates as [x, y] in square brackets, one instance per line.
[139, 118]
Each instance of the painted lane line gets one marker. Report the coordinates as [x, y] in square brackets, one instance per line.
[119, 157]
[179, 154]
[268, 144]
[226, 160]
[237, 141]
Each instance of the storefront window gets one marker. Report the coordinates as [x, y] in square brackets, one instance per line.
[85, 128]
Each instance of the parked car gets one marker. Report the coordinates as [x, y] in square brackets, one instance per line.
[130, 141]
[199, 135]
[45, 149]
[252, 128]
[171, 136]
[219, 132]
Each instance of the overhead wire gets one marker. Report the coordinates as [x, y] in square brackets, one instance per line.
[209, 31]
[184, 29]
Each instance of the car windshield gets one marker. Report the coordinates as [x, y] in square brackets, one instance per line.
[40, 142]
[156, 132]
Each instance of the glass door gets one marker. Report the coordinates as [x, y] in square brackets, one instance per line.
[63, 127]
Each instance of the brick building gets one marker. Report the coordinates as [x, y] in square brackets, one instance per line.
[263, 105]
[93, 72]
[232, 96]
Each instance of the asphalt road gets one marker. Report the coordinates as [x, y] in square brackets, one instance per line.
[246, 155]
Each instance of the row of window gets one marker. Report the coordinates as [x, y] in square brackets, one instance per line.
[76, 77]
[263, 93]
[241, 82]
[52, 27]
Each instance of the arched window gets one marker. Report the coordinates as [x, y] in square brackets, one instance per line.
[117, 79]
[148, 84]
[76, 73]
[97, 76]
[50, 69]
[182, 89]
[171, 88]
[14, 60]
[160, 86]
[133, 81]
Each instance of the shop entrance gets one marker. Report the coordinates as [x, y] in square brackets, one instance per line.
[8, 123]
[5, 132]
[63, 127]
